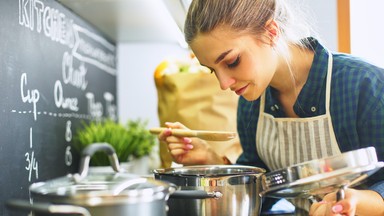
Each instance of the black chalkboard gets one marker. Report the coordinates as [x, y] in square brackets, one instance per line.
[56, 71]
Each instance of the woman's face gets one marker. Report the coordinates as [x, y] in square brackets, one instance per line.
[240, 62]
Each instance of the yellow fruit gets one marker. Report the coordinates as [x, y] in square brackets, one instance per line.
[159, 71]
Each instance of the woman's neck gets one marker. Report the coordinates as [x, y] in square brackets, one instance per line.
[292, 73]
[291, 76]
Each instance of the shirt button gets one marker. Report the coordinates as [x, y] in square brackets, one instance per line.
[273, 108]
[313, 109]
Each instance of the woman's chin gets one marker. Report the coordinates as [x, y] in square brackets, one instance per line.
[250, 97]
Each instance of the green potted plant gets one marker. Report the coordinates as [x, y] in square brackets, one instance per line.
[132, 140]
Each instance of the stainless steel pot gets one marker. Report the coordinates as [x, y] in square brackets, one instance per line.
[98, 194]
[234, 190]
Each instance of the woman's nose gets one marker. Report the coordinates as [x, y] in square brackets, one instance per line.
[225, 80]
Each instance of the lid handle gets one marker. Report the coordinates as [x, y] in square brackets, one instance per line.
[92, 149]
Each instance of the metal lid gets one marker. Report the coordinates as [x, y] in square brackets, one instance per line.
[98, 188]
[321, 176]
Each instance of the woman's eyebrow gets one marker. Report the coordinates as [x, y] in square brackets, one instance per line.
[221, 57]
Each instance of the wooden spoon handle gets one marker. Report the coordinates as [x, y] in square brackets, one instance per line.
[176, 132]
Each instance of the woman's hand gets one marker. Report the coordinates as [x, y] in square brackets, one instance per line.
[186, 150]
[356, 202]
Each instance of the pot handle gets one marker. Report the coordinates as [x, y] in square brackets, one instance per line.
[340, 194]
[47, 208]
[92, 149]
[195, 194]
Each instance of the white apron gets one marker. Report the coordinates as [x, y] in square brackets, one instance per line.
[282, 142]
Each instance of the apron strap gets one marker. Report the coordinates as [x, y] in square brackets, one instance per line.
[328, 85]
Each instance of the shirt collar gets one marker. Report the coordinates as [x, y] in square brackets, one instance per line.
[311, 99]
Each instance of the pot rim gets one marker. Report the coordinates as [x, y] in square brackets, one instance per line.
[207, 171]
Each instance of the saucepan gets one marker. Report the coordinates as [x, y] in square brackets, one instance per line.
[315, 178]
[98, 194]
[234, 190]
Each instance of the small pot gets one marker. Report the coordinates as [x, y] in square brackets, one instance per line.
[223, 189]
[98, 194]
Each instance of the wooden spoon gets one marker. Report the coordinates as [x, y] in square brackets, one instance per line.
[202, 134]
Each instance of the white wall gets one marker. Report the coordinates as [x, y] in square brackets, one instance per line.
[136, 90]
[137, 96]
[324, 20]
[367, 30]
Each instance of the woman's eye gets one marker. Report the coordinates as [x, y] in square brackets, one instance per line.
[234, 63]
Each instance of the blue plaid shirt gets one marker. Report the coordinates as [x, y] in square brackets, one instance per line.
[356, 106]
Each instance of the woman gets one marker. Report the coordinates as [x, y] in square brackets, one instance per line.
[298, 101]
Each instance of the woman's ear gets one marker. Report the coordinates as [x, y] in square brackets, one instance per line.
[272, 31]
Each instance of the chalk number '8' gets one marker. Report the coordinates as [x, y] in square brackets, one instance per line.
[68, 138]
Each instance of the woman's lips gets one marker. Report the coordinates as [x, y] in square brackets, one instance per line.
[241, 91]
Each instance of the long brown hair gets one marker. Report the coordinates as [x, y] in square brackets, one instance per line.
[248, 16]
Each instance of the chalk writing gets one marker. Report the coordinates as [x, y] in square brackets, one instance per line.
[32, 164]
[94, 108]
[59, 28]
[68, 131]
[75, 77]
[61, 101]
[103, 58]
[68, 156]
[110, 107]
[30, 95]
[52, 22]
[68, 138]
[54, 114]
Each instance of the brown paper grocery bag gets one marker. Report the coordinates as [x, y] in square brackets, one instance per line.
[196, 100]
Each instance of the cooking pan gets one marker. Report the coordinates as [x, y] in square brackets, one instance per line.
[98, 194]
[318, 177]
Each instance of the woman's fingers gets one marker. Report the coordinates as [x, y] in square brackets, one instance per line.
[320, 209]
[165, 134]
[177, 152]
[176, 139]
[177, 125]
[174, 146]
[179, 145]
[329, 206]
